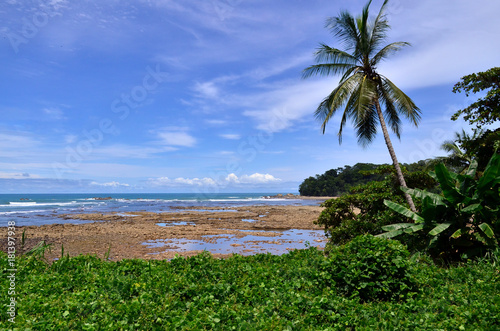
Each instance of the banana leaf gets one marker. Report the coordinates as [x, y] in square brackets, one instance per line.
[457, 233]
[397, 226]
[403, 211]
[390, 234]
[440, 228]
[421, 194]
[447, 184]
[471, 171]
[491, 174]
[488, 231]
[414, 228]
[472, 208]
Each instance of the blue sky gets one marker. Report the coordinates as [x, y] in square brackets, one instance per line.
[207, 96]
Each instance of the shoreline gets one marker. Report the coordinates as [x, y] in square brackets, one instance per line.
[299, 197]
[245, 230]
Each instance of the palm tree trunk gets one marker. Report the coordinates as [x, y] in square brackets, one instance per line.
[388, 142]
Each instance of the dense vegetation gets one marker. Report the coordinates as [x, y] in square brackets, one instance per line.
[335, 182]
[301, 290]
[362, 209]
[463, 221]
[485, 110]
[458, 219]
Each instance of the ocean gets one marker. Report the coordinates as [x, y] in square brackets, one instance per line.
[40, 209]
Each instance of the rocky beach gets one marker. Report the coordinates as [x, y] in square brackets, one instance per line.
[184, 231]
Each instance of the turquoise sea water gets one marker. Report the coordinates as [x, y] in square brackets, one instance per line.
[39, 209]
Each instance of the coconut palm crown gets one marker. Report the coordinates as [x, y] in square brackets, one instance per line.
[362, 90]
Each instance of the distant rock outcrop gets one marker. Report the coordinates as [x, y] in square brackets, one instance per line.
[283, 196]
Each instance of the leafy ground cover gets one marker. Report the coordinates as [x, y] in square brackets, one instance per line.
[294, 291]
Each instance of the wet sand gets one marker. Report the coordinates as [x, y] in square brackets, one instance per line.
[146, 235]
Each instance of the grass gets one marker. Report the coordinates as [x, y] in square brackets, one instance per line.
[260, 292]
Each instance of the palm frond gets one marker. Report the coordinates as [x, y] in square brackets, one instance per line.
[387, 50]
[326, 69]
[391, 114]
[363, 31]
[335, 100]
[452, 147]
[379, 28]
[366, 126]
[351, 71]
[325, 53]
[336, 62]
[344, 27]
[363, 112]
[403, 103]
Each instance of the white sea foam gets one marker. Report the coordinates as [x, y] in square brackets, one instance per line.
[21, 212]
[38, 204]
[240, 200]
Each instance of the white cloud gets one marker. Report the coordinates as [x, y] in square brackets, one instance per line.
[230, 136]
[54, 113]
[285, 105]
[176, 137]
[25, 175]
[180, 181]
[258, 179]
[207, 90]
[129, 151]
[17, 141]
[216, 122]
[231, 179]
[110, 184]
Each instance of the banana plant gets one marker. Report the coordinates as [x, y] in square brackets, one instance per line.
[464, 220]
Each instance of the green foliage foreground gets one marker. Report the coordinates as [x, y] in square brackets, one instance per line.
[464, 221]
[300, 291]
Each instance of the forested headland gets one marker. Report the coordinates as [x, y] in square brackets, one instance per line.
[335, 182]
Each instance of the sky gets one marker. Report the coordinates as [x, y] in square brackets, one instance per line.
[208, 96]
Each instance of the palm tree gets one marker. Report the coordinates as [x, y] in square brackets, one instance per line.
[458, 156]
[362, 89]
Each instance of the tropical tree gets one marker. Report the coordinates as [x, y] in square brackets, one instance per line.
[362, 90]
[465, 148]
[485, 110]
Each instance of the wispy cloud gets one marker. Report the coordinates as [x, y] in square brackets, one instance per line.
[231, 136]
[54, 113]
[110, 184]
[176, 136]
[24, 175]
[207, 90]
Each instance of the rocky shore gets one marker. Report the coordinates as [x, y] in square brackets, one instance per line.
[296, 196]
[146, 235]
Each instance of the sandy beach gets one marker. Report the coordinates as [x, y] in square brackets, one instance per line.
[186, 231]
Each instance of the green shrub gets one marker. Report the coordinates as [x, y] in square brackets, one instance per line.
[371, 268]
[261, 292]
[362, 211]
[464, 221]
